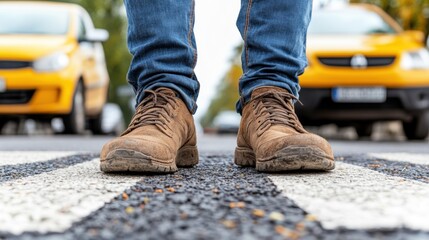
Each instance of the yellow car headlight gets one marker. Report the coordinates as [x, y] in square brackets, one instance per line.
[415, 60]
[51, 63]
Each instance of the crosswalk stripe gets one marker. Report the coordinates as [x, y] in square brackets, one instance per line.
[354, 197]
[403, 157]
[14, 158]
[52, 202]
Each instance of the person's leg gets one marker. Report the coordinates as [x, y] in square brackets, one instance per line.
[162, 42]
[161, 135]
[274, 34]
[271, 138]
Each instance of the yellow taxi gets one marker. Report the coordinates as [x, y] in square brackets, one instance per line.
[364, 68]
[52, 64]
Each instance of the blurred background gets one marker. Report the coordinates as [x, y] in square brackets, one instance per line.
[368, 74]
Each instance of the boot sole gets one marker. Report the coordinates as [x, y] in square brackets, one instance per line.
[288, 159]
[125, 160]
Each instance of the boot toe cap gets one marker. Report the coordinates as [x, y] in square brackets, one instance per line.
[135, 147]
[306, 142]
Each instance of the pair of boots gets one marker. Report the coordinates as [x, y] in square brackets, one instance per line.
[161, 137]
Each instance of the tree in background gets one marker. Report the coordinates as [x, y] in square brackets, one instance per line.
[109, 15]
[411, 14]
[228, 91]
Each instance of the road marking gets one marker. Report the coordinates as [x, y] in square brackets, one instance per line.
[14, 158]
[403, 157]
[354, 197]
[52, 202]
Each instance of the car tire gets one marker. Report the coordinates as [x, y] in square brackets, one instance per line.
[74, 123]
[96, 124]
[2, 124]
[418, 128]
[364, 130]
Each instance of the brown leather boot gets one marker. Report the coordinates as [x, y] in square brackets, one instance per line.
[272, 139]
[160, 137]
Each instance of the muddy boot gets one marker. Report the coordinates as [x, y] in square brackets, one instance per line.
[272, 139]
[160, 137]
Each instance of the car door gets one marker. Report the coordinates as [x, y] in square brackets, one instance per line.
[93, 68]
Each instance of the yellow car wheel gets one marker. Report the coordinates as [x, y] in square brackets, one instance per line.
[2, 124]
[364, 130]
[95, 124]
[74, 123]
[418, 128]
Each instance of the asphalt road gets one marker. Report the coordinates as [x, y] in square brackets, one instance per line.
[51, 188]
[207, 144]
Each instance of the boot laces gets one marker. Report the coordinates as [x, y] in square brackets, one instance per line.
[275, 108]
[157, 109]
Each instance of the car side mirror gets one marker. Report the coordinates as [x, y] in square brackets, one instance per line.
[96, 35]
[417, 36]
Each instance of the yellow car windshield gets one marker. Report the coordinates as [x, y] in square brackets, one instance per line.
[33, 20]
[348, 22]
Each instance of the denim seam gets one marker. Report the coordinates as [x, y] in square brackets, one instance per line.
[191, 29]
[246, 29]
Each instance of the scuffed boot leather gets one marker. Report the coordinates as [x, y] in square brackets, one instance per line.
[272, 139]
[160, 137]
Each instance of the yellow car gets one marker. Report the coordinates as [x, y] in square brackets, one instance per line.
[364, 68]
[51, 64]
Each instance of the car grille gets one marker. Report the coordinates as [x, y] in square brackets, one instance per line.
[7, 65]
[16, 96]
[346, 61]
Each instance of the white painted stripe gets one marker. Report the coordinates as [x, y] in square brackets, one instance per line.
[358, 198]
[52, 202]
[403, 157]
[14, 158]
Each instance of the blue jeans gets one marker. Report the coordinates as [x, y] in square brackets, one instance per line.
[162, 42]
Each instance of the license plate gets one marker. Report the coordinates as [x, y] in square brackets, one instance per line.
[2, 85]
[359, 94]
